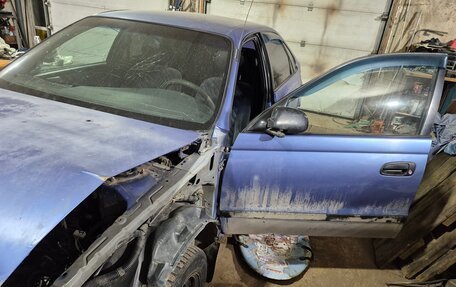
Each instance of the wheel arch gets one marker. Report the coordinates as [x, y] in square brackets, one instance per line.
[188, 225]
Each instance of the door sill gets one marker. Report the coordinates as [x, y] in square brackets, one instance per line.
[333, 228]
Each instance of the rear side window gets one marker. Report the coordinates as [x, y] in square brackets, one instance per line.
[281, 67]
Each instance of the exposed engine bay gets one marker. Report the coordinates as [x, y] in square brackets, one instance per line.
[69, 239]
[112, 203]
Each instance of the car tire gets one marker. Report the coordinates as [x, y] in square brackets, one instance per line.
[190, 271]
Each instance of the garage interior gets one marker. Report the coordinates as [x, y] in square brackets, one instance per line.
[322, 34]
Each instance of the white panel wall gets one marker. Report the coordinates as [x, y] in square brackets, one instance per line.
[332, 31]
[65, 12]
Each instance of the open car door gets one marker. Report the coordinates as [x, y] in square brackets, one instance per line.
[355, 169]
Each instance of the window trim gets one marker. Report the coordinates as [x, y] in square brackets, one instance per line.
[291, 58]
[286, 49]
[266, 74]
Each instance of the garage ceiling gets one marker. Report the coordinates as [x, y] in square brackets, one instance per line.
[322, 33]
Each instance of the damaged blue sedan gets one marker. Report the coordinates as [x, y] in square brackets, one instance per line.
[131, 142]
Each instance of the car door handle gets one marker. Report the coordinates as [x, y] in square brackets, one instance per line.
[398, 168]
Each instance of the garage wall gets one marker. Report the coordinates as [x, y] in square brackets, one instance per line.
[322, 34]
[65, 12]
[409, 16]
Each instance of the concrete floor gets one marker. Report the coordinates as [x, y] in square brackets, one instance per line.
[341, 262]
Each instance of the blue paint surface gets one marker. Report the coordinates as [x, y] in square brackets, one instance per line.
[134, 190]
[53, 155]
[313, 174]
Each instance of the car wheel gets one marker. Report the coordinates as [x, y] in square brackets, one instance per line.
[190, 271]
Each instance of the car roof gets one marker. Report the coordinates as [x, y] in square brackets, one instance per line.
[232, 28]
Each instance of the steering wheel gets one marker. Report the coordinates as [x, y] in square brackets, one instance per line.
[192, 86]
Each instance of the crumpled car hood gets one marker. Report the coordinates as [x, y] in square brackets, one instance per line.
[53, 155]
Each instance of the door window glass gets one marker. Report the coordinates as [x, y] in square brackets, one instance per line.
[278, 59]
[385, 101]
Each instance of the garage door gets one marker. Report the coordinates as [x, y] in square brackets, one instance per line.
[65, 12]
[322, 33]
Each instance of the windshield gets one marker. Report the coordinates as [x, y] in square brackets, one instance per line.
[166, 75]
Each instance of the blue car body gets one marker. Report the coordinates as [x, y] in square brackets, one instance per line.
[54, 155]
[63, 164]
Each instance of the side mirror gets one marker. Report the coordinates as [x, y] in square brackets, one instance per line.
[286, 120]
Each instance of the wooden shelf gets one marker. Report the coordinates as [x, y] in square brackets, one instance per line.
[407, 115]
[428, 76]
[433, 208]
[418, 75]
[4, 63]
[448, 79]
